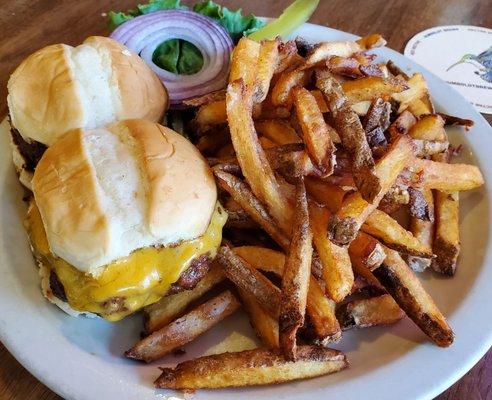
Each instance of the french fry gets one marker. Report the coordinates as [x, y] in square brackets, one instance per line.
[399, 280]
[244, 63]
[247, 278]
[447, 235]
[425, 148]
[419, 204]
[278, 131]
[451, 120]
[240, 219]
[378, 115]
[212, 113]
[206, 98]
[171, 307]
[266, 143]
[323, 107]
[325, 193]
[251, 367]
[315, 131]
[392, 234]
[323, 51]
[402, 125]
[369, 87]
[282, 90]
[265, 327]
[361, 108]
[423, 230]
[395, 70]
[184, 329]
[429, 127]
[268, 59]
[351, 133]
[446, 243]
[323, 325]
[213, 140]
[447, 177]
[365, 313]
[345, 224]
[337, 268]
[422, 106]
[371, 41]
[417, 89]
[251, 156]
[295, 279]
[288, 57]
[366, 254]
[242, 194]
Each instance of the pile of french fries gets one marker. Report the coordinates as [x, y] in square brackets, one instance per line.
[314, 148]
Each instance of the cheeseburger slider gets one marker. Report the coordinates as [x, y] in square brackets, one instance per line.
[120, 216]
[61, 87]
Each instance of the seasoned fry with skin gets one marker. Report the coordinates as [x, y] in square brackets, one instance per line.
[374, 311]
[268, 59]
[392, 234]
[282, 91]
[369, 87]
[323, 51]
[337, 268]
[395, 70]
[351, 133]
[251, 156]
[429, 127]
[345, 224]
[423, 230]
[315, 131]
[206, 98]
[251, 367]
[265, 327]
[366, 253]
[402, 125]
[169, 308]
[425, 148]
[417, 89]
[247, 278]
[447, 177]
[288, 57]
[371, 41]
[399, 280]
[244, 63]
[378, 115]
[278, 131]
[212, 113]
[323, 107]
[451, 120]
[242, 194]
[184, 329]
[240, 219]
[325, 193]
[295, 279]
[323, 325]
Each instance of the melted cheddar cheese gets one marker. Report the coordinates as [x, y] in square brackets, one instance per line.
[129, 283]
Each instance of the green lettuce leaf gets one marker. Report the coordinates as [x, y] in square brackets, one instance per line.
[178, 56]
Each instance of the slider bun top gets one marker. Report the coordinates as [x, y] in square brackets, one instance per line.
[106, 192]
[61, 87]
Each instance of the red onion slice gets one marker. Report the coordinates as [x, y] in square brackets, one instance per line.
[145, 33]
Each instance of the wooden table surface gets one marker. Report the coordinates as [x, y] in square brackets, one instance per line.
[27, 25]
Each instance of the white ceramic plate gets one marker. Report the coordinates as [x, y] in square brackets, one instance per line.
[82, 358]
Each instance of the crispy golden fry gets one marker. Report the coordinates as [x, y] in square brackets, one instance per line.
[371, 41]
[206, 98]
[419, 204]
[417, 89]
[251, 367]
[345, 224]
[446, 242]
[429, 127]
[247, 278]
[282, 91]
[422, 106]
[171, 307]
[325, 193]
[395, 70]
[447, 177]
[267, 63]
[450, 120]
[266, 327]
[278, 131]
[392, 234]
[242, 194]
[229, 165]
[315, 131]
[323, 325]
[423, 230]
[402, 125]
[266, 143]
[240, 219]
[361, 108]
[378, 115]
[184, 329]
[295, 279]
[212, 113]
[288, 57]
[447, 234]
[251, 156]
[291, 164]
[337, 268]
[425, 148]
[244, 63]
[212, 141]
[323, 51]
[369, 87]
[374, 311]
[351, 133]
[366, 254]
[399, 280]
[323, 107]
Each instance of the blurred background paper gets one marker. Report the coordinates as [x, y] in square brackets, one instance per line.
[460, 55]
